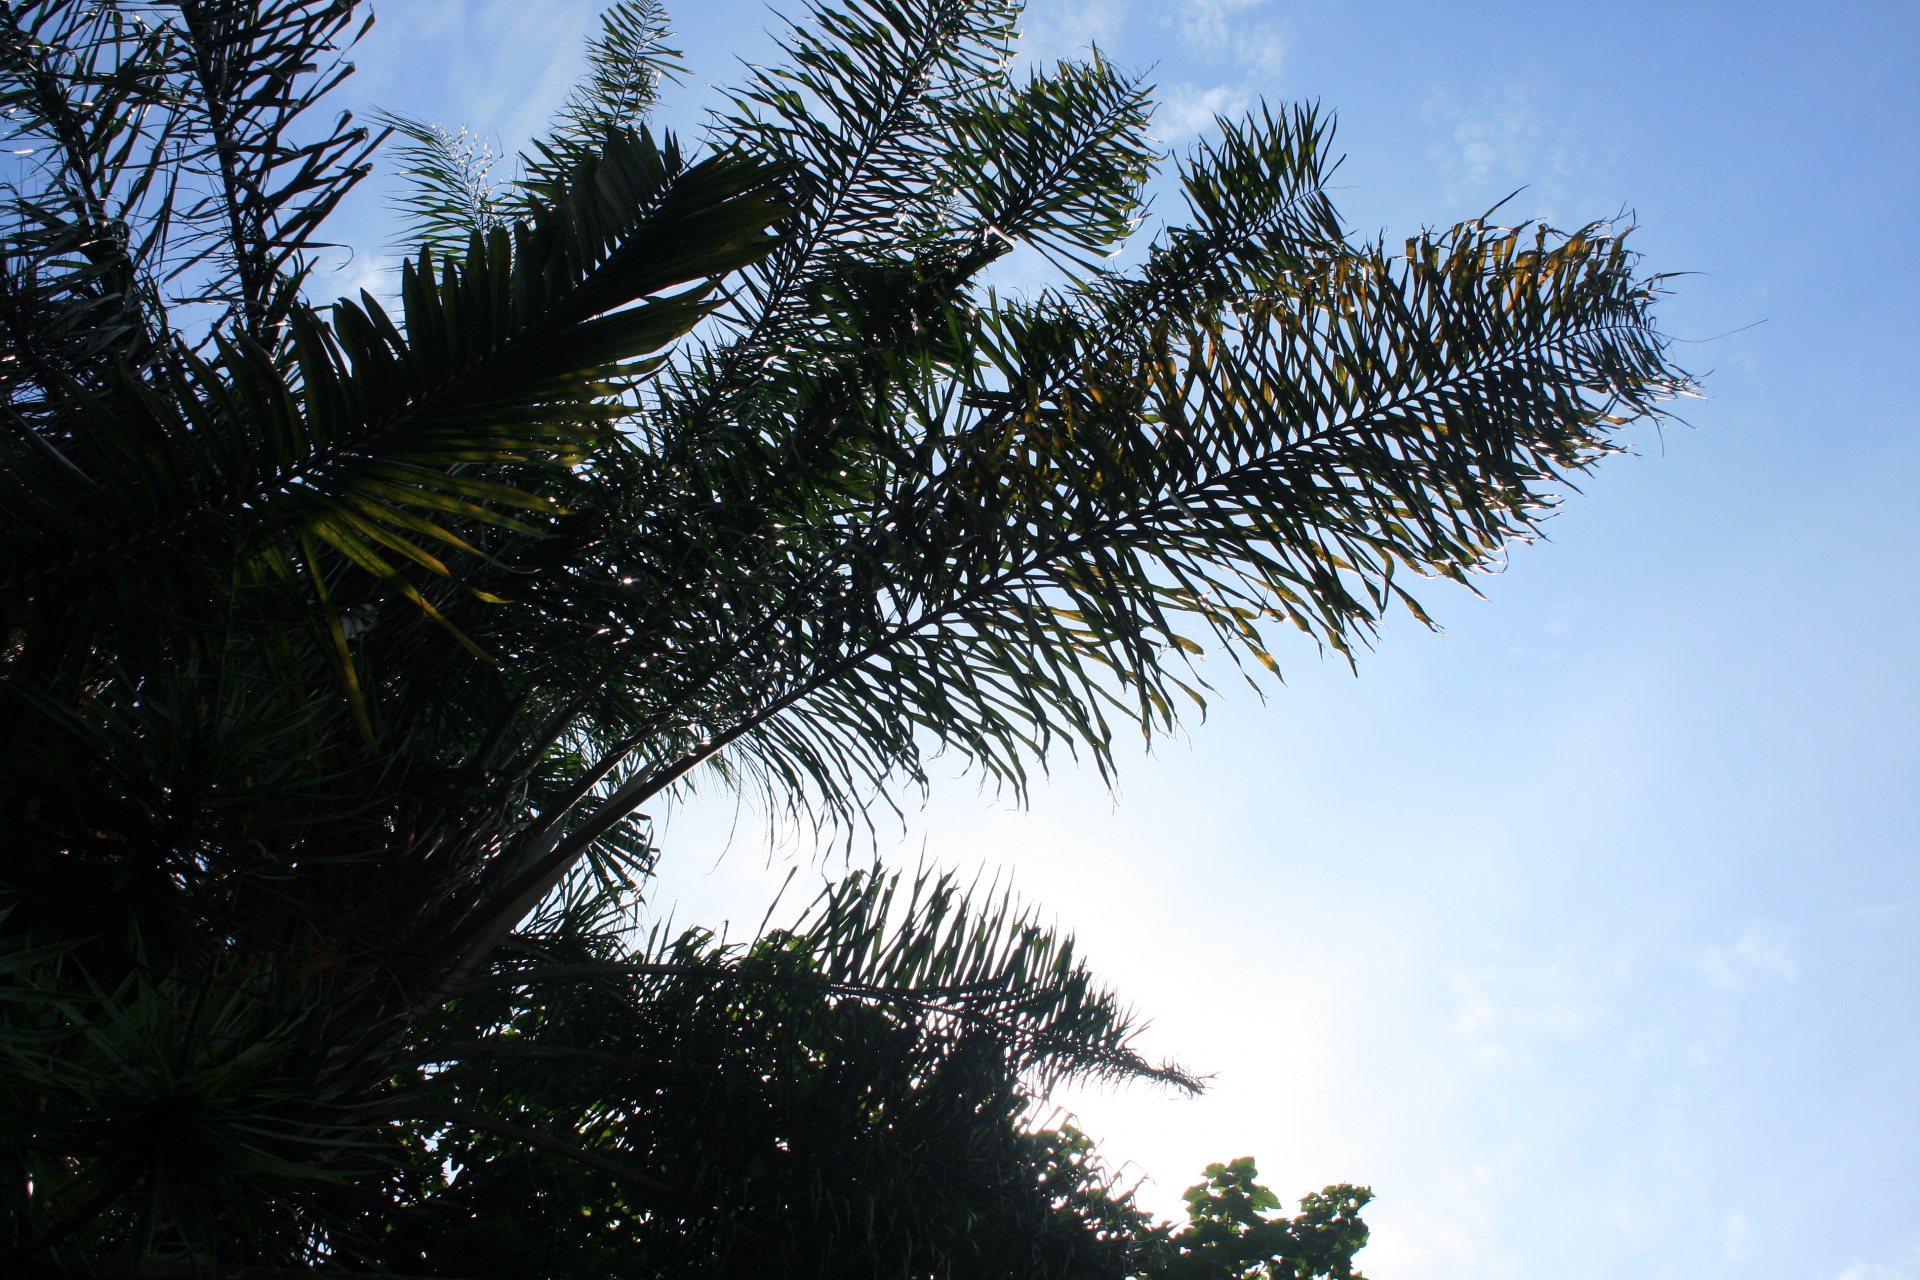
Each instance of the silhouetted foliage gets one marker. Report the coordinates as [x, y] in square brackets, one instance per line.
[343, 647]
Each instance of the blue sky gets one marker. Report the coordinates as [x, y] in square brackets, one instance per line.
[1587, 932]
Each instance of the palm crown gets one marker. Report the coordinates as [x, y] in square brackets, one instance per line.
[346, 645]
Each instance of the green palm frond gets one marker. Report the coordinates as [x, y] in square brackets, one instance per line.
[867, 112]
[452, 192]
[1057, 163]
[166, 1108]
[990, 529]
[935, 952]
[626, 63]
[342, 648]
[172, 142]
[983, 964]
[361, 429]
[452, 188]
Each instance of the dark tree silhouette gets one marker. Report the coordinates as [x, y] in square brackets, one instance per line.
[344, 646]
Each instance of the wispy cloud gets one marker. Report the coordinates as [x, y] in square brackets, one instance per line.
[1763, 952]
[1068, 28]
[1187, 110]
[1564, 615]
[374, 272]
[1501, 137]
[499, 66]
[1451, 1229]
[1733, 1239]
[1509, 1010]
[1216, 31]
[1902, 1264]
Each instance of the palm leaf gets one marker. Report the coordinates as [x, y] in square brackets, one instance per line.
[507, 356]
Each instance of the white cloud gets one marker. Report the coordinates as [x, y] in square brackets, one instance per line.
[1497, 136]
[1450, 1233]
[1880, 913]
[1903, 1264]
[1212, 29]
[1502, 138]
[1562, 619]
[1504, 1010]
[1761, 952]
[1187, 110]
[1216, 33]
[1069, 28]
[1733, 1241]
[376, 273]
[503, 67]
[1204, 23]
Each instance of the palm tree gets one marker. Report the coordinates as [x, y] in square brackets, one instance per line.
[345, 647]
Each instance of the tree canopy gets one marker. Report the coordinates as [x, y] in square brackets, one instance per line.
[346, 645]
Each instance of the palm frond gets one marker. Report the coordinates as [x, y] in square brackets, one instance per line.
[1058, 163]
[853, 1081]
[508, 355]
[452, 192]
[626, 63]
[990, 529]
[344, 647]
[168, 1108]
[173, 140]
